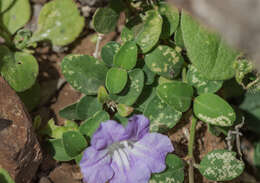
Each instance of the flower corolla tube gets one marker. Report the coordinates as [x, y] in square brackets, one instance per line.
[124, 154]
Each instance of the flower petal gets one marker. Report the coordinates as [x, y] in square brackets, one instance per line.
[137, 127]
[108, 132]
[95, 166]
[152, 150]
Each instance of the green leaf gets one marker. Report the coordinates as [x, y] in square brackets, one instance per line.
[74, 143]
[164, 61]
[194, 78]
[126, 57]
[124, 110]
[116, 80]
[178, 38]
[170, 15]
[132, 90]
[105, 20]
[149, 75]
[5, 177]
[176, 94]
[85, 73]
[127, 34]
[17, 15]
[60, 22]
[18, 68]
[207, 51]
[174, 172]
[102, 96]
[221, 165]
[31, 97]
[257, 155]
[87, 107]
[55, 131]
[69, 112]
[5, 4]
[108, 51]
[57, 151]
[162, 117]
[78, 158]
[150, 32]
[214, 110]
[89, 126]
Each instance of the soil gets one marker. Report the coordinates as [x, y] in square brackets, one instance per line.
[57, 93]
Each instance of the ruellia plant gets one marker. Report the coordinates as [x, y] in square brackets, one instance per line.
[165, 67]
[18, 65]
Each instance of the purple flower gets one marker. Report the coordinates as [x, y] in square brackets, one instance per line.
[124, 155]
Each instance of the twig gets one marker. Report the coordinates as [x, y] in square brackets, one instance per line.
[99, 39]
[190, 149]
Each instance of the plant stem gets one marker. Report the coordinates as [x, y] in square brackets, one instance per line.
[99, 39]
[190, 149]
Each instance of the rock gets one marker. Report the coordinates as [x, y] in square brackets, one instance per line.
[66, 173]
[20, 152]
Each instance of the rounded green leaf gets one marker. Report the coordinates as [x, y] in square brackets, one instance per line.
[126, 57]
[202, 85]
[149, 75]
[105, 20]
[31, 97]
[60, 22]
[69, 112]
[150, 32]
[116, 80]
[74, 143]
[89, 126]
[221, 165]
[207, 51]
[127, 34]
[4, 4]
[214, 110]
[17, 15]
[174, 172]
[108, 51]
[124, 110]
[5, 177]
[102, 95]
[133, 88]
[176, 94]
[87, 107]
[18, 68]
[85, 73]
[170, 15]
[164, 61]
[162, 117]
[56, 149]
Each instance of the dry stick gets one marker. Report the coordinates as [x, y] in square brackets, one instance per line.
[99, 39]
[190, 149]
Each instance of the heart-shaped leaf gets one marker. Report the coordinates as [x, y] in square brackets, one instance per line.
[207, 51]
[105, 20]
[74, 143]
[116, 80]
[176, 94]
[221, 165]
[18, 68]
[60, 22]
[132, 90]
[174, 172]
[87, 107]
[164, 61]
[194, 78]
[126, 57]
[170, 15]
[214, 110]
[89, 126]
[162, 117]
[108, 51]
[84, 73]
[16, 17]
